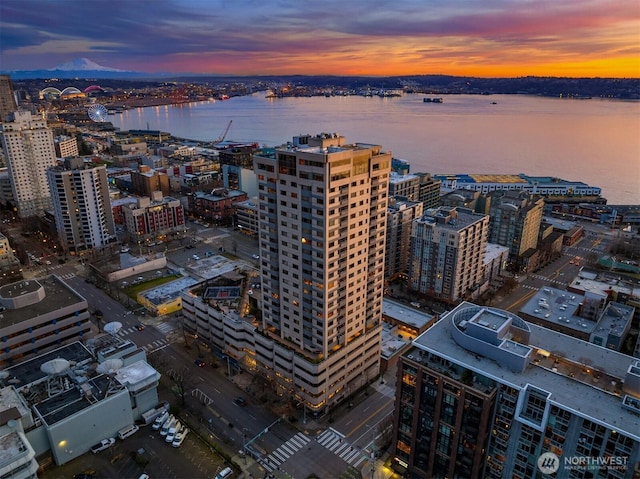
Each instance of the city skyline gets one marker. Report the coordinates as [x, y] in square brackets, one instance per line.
[598, 38]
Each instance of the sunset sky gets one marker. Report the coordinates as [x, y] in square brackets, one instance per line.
[487, 38]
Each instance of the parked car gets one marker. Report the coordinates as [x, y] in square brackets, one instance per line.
[160, 420]
[127, 431]
[102, 445]
[255, 256]
[226, 472]
[169, 423]
[179, 439]
[173, 431]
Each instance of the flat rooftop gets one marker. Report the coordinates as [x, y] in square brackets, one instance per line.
[211, 267]
[11, 446]
[395, 177]
[615, 319]
[494, 251]
[599, 282]
[463, 178]
[69, 402]
[581, 377]
[392, 342]
[111, 263]
[404, 314]
[29, 371]
[558, 307]
[58, 295]
[168, 291]
[457, 223]
[489, 319]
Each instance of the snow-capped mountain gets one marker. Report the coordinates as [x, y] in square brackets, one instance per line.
[85, 68]
[83, 64]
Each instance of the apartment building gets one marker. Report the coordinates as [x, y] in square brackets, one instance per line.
[484, 394]
[7, 97]
[146, 180]
[247, 217]
[515, 222]
[28, 148]
[65, 146]
[323, 210]
[154, 217]
[400, 216]
[9, 263]
[420, 187]
[429, 190]
[236, 177]
[218, 206]
[81, 205]
[406, 185]
[474, 200]
[447, 253]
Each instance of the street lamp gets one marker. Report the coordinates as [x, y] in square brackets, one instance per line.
[244, 444]
[228, 366]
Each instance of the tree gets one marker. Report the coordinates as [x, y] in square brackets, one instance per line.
[83, 148]
[181, 382]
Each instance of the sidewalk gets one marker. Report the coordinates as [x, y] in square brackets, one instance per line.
[228, 440]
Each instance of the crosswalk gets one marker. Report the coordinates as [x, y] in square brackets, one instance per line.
[150, 347]
[68, 276]
[166, 328]
[274, 460]
[336, 443]
[544, 278]
[329, 438]
[154, 346]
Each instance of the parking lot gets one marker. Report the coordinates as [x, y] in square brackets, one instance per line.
[191, 460]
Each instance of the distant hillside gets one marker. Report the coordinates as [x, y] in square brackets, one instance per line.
[625, 89]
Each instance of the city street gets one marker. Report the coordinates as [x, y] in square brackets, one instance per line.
[343, 441]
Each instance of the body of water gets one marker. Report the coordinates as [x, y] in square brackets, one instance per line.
[594, 141]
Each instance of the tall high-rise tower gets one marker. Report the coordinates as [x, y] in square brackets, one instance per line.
[322, 207]
[28, 148]
[7, 99]
[81, 205]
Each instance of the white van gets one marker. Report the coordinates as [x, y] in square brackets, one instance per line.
[224, 473]
[171, 434]
[160, 420]
[179, 439]
[167, 424]
[127, 431]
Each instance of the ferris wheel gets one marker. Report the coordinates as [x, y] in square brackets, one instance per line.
[97, 113]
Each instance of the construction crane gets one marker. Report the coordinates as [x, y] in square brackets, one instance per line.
[220, 139]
